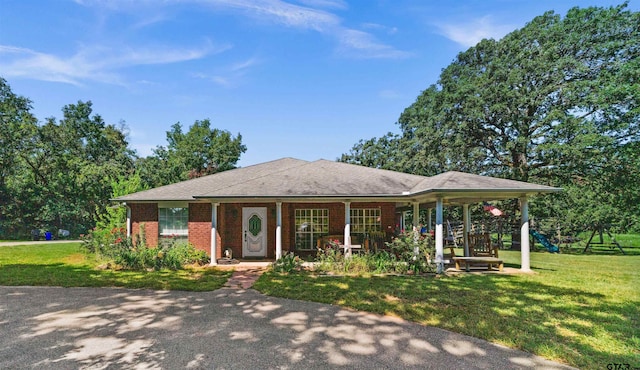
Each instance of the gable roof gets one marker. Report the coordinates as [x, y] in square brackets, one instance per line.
[294, 178]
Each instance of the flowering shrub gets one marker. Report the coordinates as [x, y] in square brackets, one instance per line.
[289, 262]
[114, 246]
[407, 252]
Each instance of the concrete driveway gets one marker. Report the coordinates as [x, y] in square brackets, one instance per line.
[98, 328]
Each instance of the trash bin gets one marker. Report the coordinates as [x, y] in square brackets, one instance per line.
[47, 235]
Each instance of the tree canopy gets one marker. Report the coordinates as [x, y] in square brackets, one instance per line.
[200, 151]
[556, 102]
[60, 174]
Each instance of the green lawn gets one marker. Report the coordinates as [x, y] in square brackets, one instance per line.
[64, 265]
[583, 310]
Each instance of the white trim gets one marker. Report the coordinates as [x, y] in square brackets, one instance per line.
[466, 222]
[278, 230]
[214, 234]
[128, 221]
[525, 264]
[439, 238]
[416, 229]
[347, 229]
[173, 204]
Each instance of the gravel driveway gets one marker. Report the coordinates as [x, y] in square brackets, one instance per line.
[98, 328]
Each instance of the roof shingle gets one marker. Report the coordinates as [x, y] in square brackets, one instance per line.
[294, 178]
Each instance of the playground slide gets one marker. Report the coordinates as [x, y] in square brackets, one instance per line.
[544, 241]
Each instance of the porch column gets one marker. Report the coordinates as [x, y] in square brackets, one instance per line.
[347, 229]
[214, 233]
[128, 221]
[278, 230]
[466, 221]
[416, 228]
[525, 265]
[439, 237]
[429, 228]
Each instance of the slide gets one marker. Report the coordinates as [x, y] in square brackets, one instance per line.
[544, 241]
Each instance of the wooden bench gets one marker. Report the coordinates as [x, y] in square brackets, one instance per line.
[489, 261]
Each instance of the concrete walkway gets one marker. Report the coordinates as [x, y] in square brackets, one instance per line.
[243, 278]
[231, 328]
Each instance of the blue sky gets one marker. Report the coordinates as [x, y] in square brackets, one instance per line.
[304, 79]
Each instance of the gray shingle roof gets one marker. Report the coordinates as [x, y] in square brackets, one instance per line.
[294, 178]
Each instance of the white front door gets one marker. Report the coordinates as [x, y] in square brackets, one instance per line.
[254, 232]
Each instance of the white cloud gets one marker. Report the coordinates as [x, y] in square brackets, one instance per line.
[380, 27]
[362, 44]
[469, 33]
[230, 76]
[308, 16]
[91, 63]
[334, 4]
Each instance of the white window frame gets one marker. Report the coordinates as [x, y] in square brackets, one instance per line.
[310, 224]
[179, 222]
[366, 220]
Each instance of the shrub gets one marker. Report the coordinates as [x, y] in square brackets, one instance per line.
[414, 251]
[288, 263]
[113, 245]
[407, 252]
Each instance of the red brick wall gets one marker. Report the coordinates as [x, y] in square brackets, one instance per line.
[147, 214]
[200, 226]
[230, 223]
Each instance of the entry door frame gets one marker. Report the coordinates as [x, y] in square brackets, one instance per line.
[254, 245]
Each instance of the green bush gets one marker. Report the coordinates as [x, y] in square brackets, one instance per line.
[414, 250]
[289, 262]
[114, 246]
[407, 252]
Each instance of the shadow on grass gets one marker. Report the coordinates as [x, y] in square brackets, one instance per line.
[582, 328]
[64, 275]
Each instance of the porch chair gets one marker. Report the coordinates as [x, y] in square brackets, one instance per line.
[480, 246]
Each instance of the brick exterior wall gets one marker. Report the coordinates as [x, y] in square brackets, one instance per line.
[147, 214]
[200, 226]
[230, 223]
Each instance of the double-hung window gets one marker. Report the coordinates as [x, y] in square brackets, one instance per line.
[173, 222]
[311, 224]
[365, 220]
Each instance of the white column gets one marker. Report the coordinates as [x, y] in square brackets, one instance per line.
[347, 229]
[128, 221]
[524, 235]
[416, 228]
[439, 237]
[214, 234]
[429, 228]
[278, 230]
[416, 215]
[466, 221]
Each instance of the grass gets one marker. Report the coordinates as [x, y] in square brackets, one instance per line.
[64, 265]
[582, 310]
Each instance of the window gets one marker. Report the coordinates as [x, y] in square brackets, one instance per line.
[365, 220]
[310, 225]
[173, 222]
